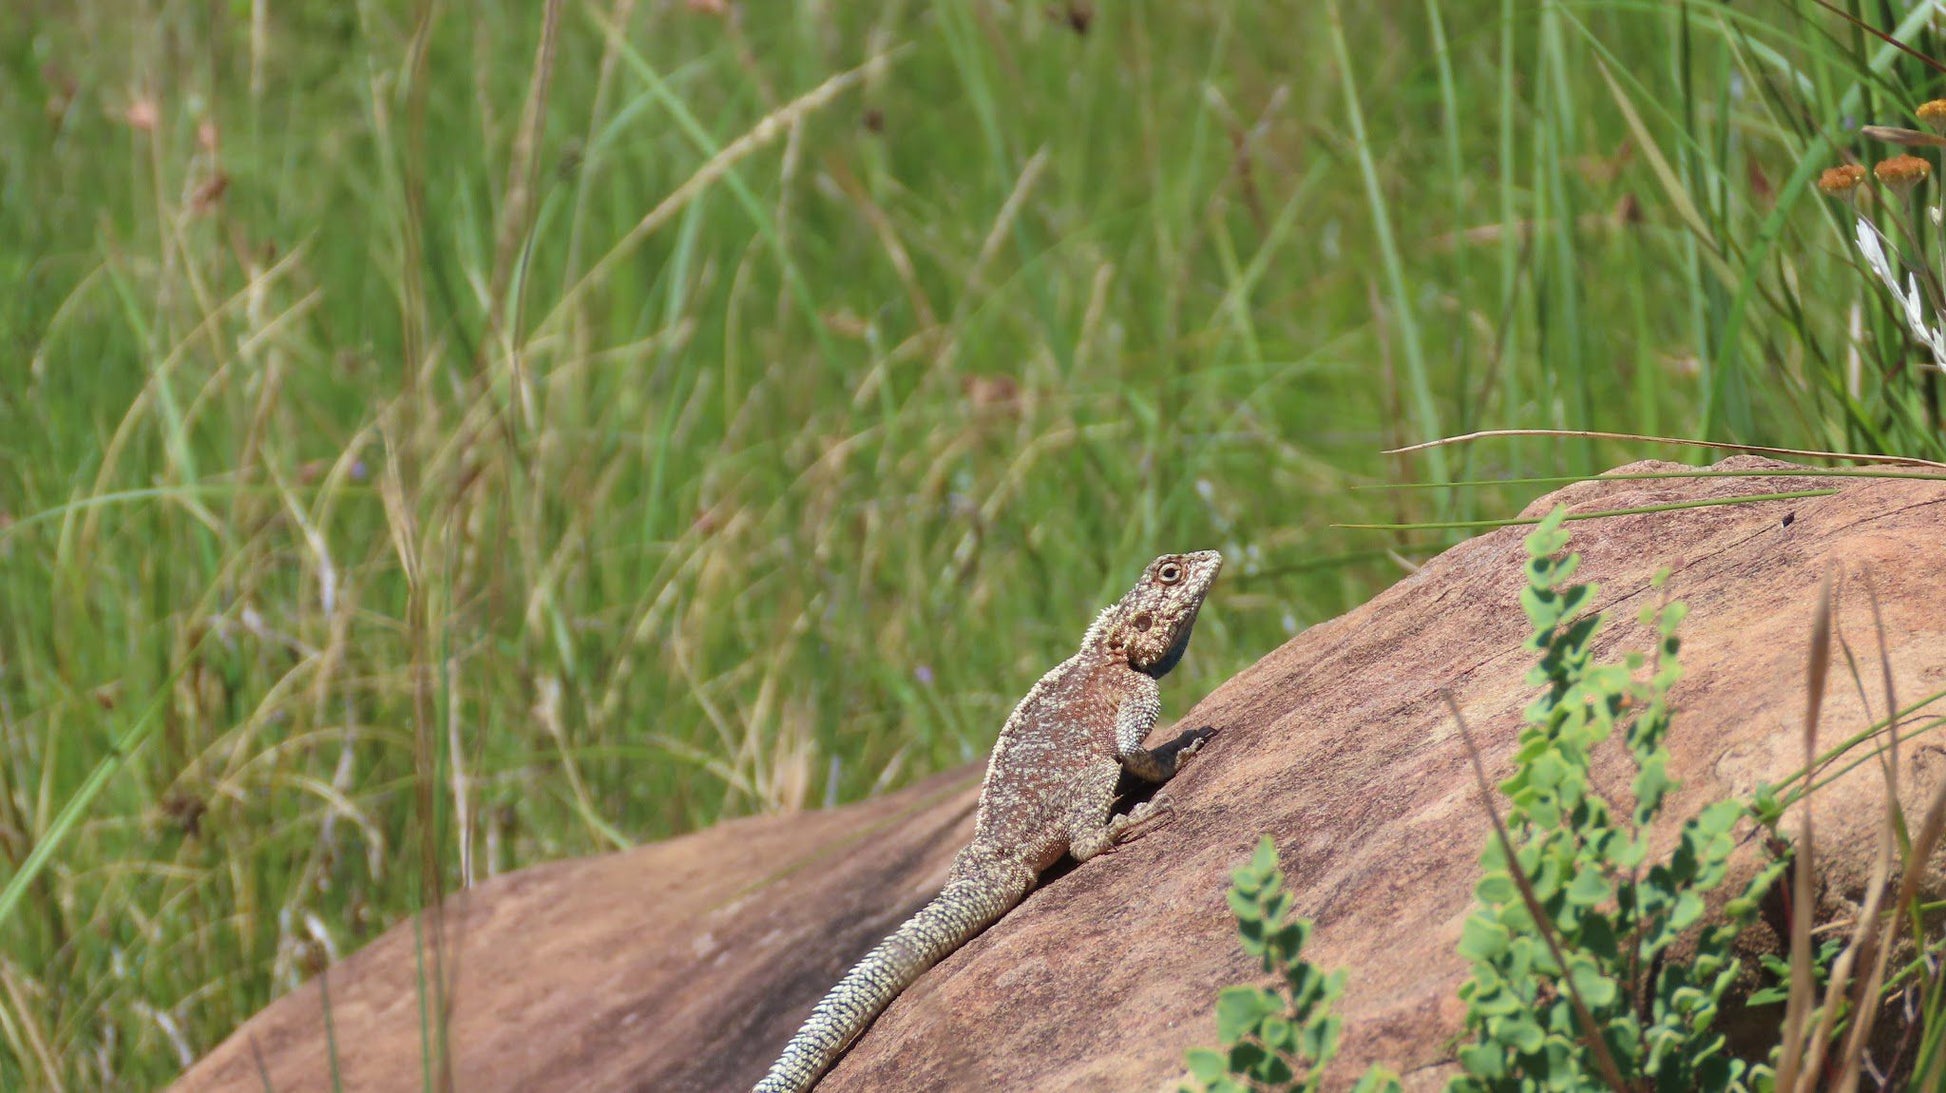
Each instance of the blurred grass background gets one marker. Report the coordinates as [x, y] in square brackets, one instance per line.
[439, 438]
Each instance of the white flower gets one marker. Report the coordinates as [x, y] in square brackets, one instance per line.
[1908, 296]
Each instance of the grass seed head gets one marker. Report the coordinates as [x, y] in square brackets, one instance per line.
[1902, 172]
[1840, 181]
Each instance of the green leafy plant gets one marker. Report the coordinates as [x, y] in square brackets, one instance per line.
[1574, 983]
[1279, 1037]
[1593, 965]
[1779, 970]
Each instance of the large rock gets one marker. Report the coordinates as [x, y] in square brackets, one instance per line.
[686, 965]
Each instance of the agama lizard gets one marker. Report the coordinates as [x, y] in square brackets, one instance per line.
[1049, 790]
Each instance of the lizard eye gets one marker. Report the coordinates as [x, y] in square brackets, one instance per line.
[1168, 573]
[1143, 622]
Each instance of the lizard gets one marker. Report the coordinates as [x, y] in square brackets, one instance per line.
[1049, 790]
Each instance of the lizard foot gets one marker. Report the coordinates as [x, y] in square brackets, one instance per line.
[1192, 741]
[1137, 821]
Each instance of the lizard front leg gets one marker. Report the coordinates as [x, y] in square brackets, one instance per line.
[1133, 720]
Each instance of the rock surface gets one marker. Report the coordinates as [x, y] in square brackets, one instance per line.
[686, 965]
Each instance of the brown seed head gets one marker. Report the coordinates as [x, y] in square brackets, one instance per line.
[1901, 173]
[1842, 180]
[1933, 113]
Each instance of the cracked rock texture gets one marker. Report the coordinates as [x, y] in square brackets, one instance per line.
[685, 965]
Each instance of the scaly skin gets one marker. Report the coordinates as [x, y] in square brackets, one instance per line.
[1049, 791]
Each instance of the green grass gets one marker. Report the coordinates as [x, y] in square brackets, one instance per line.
[514, 460]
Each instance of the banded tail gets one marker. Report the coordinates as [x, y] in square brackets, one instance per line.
[963, 909]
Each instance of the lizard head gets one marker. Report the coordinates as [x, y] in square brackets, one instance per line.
[1150, 625]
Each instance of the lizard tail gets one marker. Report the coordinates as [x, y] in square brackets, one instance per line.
[961, 910]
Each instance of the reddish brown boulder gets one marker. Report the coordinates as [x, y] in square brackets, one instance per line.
[686, 965]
